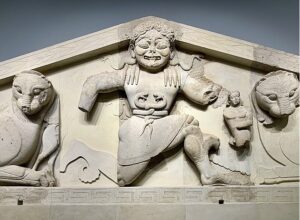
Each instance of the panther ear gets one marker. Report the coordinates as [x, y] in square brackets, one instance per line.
[293, 75]
[49, 83]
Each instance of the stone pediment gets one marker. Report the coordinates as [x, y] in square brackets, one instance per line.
[169, 108]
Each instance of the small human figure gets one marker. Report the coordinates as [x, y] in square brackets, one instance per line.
[239, 120]
[151, 84]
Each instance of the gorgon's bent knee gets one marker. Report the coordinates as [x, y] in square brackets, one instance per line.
[127, 174]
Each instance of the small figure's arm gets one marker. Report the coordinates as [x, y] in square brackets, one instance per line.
[202, 91]
[101, 83]
[247, 121]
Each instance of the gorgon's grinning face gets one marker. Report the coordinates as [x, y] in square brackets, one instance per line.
[278, 95]
[152, 50]
[31, 92]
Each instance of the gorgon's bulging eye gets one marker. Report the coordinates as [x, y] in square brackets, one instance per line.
[272, 97]
[143, 44]
[161, 46]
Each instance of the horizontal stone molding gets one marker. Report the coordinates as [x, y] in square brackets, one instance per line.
[139, 195]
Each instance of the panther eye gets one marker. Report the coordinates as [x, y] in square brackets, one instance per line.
[272, 97]
[207, 93]
[37, 91]
[19, 90]
[292, 93]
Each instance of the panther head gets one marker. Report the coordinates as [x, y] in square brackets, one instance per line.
[31, 91]
[276, 94]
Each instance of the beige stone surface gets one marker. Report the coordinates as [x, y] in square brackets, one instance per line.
[149, 195]
[132, 203]
[243, 211]
[234, 64]
[170, 187]
[100, 132]
[166, 212]
[29, 132]
[149, 212]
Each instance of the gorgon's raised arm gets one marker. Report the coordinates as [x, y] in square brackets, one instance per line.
[100, 83]
[202, 91]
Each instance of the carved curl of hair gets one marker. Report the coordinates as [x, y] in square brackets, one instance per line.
[152, 25]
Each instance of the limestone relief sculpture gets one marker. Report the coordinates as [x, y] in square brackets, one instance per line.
[96, 163]
[29, 132]
[275, 98]
[239, 120]
[152, 78]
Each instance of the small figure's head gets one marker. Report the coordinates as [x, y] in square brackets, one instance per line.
[152, 45]
[234, 99]
[32, 91]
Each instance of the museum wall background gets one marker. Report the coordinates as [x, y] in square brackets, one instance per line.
[30, 25]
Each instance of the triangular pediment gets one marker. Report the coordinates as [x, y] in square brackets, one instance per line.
[185, 105]
[195, 39]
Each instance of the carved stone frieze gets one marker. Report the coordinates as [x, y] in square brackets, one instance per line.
[275, 96]
[166, 117]
[151, 81]
[96, 163]
[151, 195]
[29, 132]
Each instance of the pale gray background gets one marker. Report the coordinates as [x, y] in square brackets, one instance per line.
[29, 25]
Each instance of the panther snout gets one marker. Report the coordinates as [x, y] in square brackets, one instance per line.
[285, 107]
